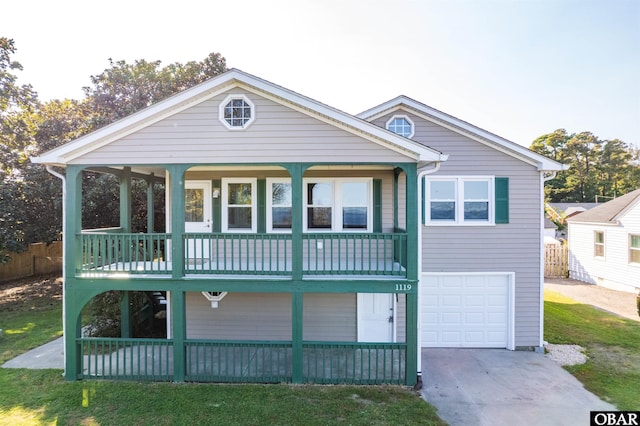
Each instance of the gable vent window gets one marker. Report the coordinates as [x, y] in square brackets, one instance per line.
[237, 112]
[401, 125]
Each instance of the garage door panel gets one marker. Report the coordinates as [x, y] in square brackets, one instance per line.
[451, 318]
[465, 310]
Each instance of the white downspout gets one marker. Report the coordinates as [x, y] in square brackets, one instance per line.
[64, 242]
[544, 179]
[421, 175]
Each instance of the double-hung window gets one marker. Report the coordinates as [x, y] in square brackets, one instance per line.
[460, 201]
[634, 248]
[598, 243]
[239, 205]
[338, 205]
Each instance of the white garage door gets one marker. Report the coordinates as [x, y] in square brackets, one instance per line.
[472, 310]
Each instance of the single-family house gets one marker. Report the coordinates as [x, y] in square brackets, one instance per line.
[604, 244]
[302, 243]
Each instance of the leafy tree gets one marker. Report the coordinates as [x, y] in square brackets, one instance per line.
[603, 168]
[123, 88]
[15, 99]
[30, 198]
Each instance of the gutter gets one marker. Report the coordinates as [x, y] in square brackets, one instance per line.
[421, 174]
[64, 243]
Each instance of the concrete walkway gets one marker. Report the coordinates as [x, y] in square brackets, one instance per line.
[50, 355]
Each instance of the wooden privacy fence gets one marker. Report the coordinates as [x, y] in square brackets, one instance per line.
[38, 259]
[556, 260]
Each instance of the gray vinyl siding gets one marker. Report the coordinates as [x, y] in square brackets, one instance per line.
[401, 317]
[250, 316]
[267, 316]
[329, 317]
[513, 247]
[278, 134]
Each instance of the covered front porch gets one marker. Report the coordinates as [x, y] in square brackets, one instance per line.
[375, 259]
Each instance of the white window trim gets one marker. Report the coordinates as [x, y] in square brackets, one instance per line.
[604, 244]
[410, 121]
[224, 103]
[336, 207]
[269, 196]
[225, 204]
[459, 201]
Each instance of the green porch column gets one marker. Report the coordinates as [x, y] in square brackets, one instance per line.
[178, 315]
[178, 319]
[396, 222]
[72, 260]
[297, 310]
[150, 204]
[412, 272]
[296, 171]
[176, 173]
[125, 199]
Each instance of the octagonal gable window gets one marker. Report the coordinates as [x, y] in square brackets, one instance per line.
[237, 112]
[401, 125]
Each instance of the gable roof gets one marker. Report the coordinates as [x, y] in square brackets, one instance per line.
[235, 78]
[462, 127]
[608, 212]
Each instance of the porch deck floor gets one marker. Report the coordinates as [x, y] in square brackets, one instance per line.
[203, 269]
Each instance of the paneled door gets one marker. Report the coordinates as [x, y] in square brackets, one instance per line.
[197, 216]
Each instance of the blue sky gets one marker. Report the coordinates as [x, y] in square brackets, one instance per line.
[517, 68]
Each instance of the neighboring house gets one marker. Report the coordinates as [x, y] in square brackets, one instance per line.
[304, 244]
[604, 244]
[559, 212]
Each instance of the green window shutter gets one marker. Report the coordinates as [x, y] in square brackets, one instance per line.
[377, 205]
[216, 205]
[502, 199]
[262, 205]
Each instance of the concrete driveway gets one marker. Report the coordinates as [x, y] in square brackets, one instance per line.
[502, 387]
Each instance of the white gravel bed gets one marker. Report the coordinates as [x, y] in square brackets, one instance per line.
[566, 354]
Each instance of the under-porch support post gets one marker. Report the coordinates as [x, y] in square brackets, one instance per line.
[412, 272]
[179, 328]
[125, 199]
[72, 258]
[150, 204]
[297, 310]
[126, 326]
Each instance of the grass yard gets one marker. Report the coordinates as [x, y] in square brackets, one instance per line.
[612, 345]
[31, 316]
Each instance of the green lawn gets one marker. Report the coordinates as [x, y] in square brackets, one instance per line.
[612, 345]
[36, 397]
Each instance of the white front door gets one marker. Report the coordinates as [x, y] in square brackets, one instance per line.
[197, 216]
[375, 317]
